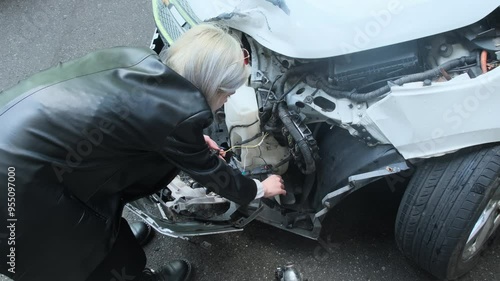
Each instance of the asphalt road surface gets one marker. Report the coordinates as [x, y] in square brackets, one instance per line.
[358, 241]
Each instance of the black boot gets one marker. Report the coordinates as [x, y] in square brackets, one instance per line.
[178, 270]
[142, 232]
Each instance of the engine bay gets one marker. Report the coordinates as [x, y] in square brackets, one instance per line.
[298, 117]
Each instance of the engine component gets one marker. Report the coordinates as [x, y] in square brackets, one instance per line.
[242, 119]
[445, 48]
[361, 97]
[408, 63]
[375, 65]
[194, 201]
[297, 70]
[300, 140]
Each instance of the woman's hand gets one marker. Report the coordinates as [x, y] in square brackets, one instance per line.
[273, 185]
[213, 145]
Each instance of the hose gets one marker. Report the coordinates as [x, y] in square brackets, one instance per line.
[300, 141]
[484, 58]
[297, 70]
[284, 115]
[362, 97]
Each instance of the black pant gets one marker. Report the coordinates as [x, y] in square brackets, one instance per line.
[126, 260]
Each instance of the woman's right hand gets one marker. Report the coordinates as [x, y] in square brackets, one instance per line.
[273, 185]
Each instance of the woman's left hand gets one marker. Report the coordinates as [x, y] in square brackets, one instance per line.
[213, 145]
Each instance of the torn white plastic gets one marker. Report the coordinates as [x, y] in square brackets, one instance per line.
[325, 28]
[426, 121]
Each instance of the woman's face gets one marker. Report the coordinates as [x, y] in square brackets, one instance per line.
[220, 100]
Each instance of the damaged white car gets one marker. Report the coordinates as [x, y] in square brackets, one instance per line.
[342, 94]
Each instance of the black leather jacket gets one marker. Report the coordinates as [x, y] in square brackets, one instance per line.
[88, 136]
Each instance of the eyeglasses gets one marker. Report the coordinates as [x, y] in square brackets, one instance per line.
[246, 56]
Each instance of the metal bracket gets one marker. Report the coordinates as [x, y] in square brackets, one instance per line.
[365, 135]
[330, 196]
[358, 181]
[361, 180]
[242, 222]
[159, 206]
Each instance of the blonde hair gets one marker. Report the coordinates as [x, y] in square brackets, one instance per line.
[210, 58]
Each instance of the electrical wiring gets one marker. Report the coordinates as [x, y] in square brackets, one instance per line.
[248, 146]
[270, 90]
[245, 159]
[242, 126]
[260, 156]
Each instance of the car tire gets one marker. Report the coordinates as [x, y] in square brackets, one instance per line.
[440, 219]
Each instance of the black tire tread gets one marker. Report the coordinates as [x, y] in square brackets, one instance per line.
[442, 200]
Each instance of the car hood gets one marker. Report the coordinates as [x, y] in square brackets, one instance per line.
[326, 28]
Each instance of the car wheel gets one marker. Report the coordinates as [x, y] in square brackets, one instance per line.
[450, 210]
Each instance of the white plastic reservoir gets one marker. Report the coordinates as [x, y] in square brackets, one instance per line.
[242, 120]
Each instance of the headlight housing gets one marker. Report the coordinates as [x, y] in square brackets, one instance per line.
[173, 18]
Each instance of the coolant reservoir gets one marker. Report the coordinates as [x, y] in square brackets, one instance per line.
[242, 120]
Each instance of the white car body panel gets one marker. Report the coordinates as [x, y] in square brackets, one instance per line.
[426, 121]
[326, 28]
[419, 121]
